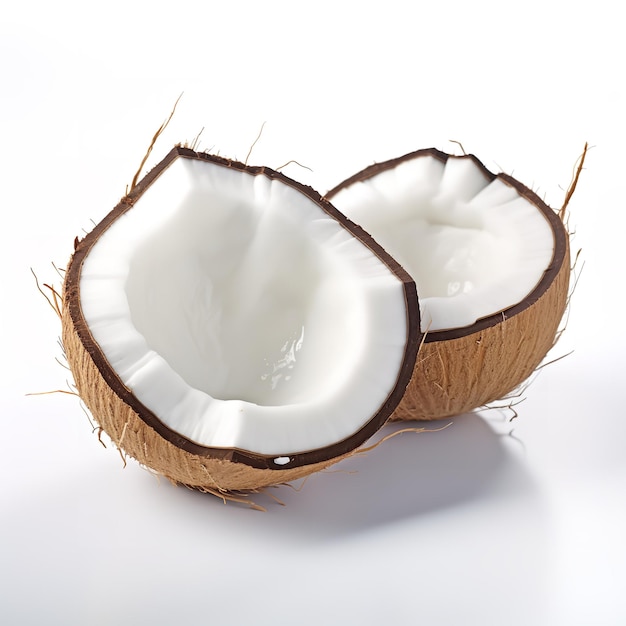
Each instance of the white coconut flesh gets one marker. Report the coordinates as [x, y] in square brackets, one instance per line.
[473, 244]
[242, 315]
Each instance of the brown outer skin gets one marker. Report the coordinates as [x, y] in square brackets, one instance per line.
[460, 370]
[140, 433]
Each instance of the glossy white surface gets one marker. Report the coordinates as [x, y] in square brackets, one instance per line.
[474, 246]
[243, 315]
[463, 526]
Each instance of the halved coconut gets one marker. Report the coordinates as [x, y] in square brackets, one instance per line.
[491, 263]
[230, 329]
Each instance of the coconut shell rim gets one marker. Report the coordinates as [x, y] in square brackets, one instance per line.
[71, 299]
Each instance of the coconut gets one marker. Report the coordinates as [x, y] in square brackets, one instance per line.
[230, 329]
[491, 263]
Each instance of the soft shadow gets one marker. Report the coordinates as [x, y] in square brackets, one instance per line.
[412, 474]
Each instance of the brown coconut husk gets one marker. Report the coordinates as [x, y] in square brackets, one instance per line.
[456, 376]
[460, 370]
[139, 433]
[218, 472]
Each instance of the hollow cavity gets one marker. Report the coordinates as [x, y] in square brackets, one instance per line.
[473, 245]
[242, 314]
[241, 304]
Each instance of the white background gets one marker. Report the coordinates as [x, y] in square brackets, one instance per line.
[474, 524]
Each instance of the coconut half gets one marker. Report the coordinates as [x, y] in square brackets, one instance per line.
[230, 329]
[491, 263]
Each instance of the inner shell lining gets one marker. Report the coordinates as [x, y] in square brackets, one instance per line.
[341, 338]
[473, 245]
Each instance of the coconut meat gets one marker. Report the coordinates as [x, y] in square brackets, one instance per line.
[242, 315]
[474, 246]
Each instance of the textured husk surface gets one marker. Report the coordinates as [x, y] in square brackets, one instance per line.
[133, 436]
[455, 376]
[139, 433]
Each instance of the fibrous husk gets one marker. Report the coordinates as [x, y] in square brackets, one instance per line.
[455, 376]
[463, 369]
[136, 430]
